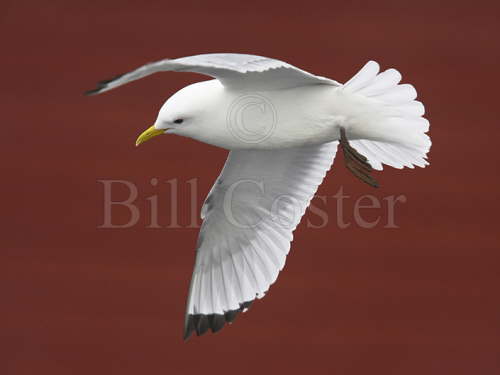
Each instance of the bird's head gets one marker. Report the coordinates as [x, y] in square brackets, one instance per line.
[182, 113]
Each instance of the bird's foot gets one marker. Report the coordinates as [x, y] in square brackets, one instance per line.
[355, 162]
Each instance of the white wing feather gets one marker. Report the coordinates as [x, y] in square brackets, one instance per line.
[232, 69]
[249, 217]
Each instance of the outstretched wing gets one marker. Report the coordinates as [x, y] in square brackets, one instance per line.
[232, 69]
[249, 216]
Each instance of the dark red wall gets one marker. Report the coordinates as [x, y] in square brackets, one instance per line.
[76, 299]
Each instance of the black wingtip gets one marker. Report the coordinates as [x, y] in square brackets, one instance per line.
[189, 328]
[201, 323]
[104, 82]
[92, 92]
[101, 85]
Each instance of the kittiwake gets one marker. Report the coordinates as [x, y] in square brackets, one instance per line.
[282, 127]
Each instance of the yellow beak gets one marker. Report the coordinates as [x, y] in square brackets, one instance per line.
[148, 134]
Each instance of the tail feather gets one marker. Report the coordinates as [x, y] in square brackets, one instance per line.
[412, 109]
[364, 77]
[382, 82]
[394, 132]
[399, 94]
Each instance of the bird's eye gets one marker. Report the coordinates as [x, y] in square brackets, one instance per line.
[178, 121]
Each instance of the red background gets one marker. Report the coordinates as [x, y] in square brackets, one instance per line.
[75, 299]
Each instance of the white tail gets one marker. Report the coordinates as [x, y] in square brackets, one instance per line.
[391, 130]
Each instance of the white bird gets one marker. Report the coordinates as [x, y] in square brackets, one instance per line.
[282, 126]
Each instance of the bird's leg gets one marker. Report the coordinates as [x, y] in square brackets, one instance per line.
[355, 162]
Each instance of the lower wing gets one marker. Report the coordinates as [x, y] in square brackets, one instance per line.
[249, 216]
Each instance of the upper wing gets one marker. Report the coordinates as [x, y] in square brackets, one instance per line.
[249, 216]
[232, 69]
